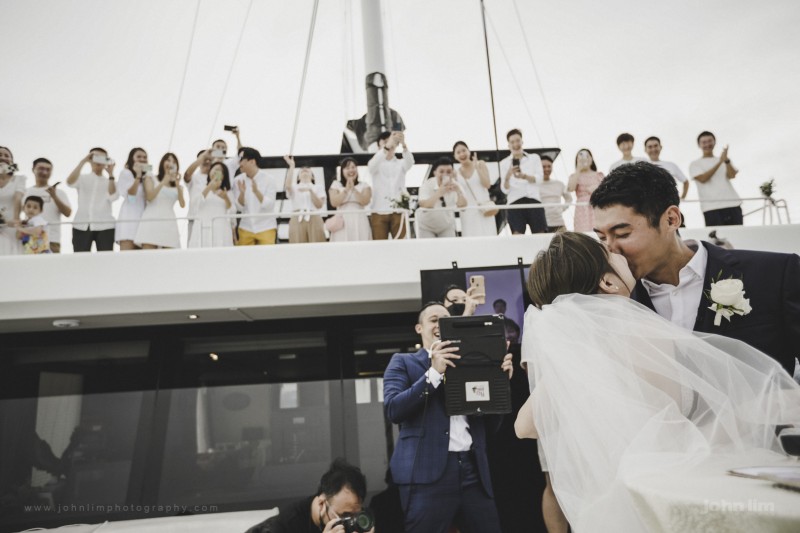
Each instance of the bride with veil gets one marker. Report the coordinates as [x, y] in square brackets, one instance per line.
[620, 392]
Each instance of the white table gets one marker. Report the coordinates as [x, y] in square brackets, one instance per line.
[237, 522]
[709, 499]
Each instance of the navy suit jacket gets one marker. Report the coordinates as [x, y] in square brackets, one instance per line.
[771, 283]
[404, 388]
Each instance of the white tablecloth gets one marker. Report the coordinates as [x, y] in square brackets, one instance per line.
[709, 499]
[200, 523]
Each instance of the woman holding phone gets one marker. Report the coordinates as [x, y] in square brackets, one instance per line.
[12, 189]
[156, 230]
[436, 194]
[473, 178]
[131, 185]
[214, 201]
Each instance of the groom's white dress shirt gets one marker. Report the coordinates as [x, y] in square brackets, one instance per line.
[679, 304]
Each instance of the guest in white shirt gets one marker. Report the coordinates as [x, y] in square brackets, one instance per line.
[255, 195]
[56, 202]
[625, 145]
[521, 173]
[94, 223]
[553, 192]
[389, 185]
[308, 197]
[131, 186]
[653, 148]
[196, 179]
[219, 150]
[718, 199]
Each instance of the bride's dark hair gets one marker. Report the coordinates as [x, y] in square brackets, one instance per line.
[573, 263]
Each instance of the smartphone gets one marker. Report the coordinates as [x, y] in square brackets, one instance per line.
[515, 162]
[56, 184]
[230, 128]
[217, 154]
[477, 283]
[100, 159]
[147, 169]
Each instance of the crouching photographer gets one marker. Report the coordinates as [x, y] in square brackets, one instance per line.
[336, 508]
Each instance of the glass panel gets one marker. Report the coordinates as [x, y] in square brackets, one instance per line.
[67, 448]
[264, 443]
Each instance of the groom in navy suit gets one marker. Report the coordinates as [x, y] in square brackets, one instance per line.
[439, 462]
[636, 214]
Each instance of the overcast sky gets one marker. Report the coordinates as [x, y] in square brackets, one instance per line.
[89, 72]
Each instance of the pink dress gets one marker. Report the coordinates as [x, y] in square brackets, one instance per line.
[587, 183]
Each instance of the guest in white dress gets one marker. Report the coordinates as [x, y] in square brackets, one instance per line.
[131, 186]
[436, 194]
[473, 177]
[12, 188]
[154, 231]
[307, 197]
[348, 194]
[215, 200]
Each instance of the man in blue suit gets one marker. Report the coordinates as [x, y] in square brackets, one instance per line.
[439, 462]
[636, 214]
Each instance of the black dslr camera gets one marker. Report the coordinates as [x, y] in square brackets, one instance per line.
[357, 523]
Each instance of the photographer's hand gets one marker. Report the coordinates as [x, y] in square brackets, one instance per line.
[442, 355]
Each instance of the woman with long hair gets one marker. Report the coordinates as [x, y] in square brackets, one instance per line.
[583, 182]
[473, 177]
[214, 201]
[158, 227]
[131, 185]
[349, 194]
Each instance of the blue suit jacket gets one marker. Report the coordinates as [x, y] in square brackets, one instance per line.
[772, 283]
[404, 388]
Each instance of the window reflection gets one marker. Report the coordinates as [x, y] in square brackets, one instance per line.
[246, 443]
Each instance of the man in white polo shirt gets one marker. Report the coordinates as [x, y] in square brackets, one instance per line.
[653, 148]
[255, 194]
[625, 145]
[55, 201]
[718, 199]
[388, 185]
[94, 223]
[520, 174]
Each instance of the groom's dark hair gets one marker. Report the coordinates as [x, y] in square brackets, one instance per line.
[647, 189]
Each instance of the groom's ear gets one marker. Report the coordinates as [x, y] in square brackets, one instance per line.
[672, 217]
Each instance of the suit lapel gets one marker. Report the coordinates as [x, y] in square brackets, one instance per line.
[720, 265]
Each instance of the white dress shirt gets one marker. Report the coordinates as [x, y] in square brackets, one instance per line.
[94, 203]
[460, 437]
[388, 179]
[679, 304]
[530, 165]
[252, 206]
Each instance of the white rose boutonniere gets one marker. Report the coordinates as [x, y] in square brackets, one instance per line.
[727, 299]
